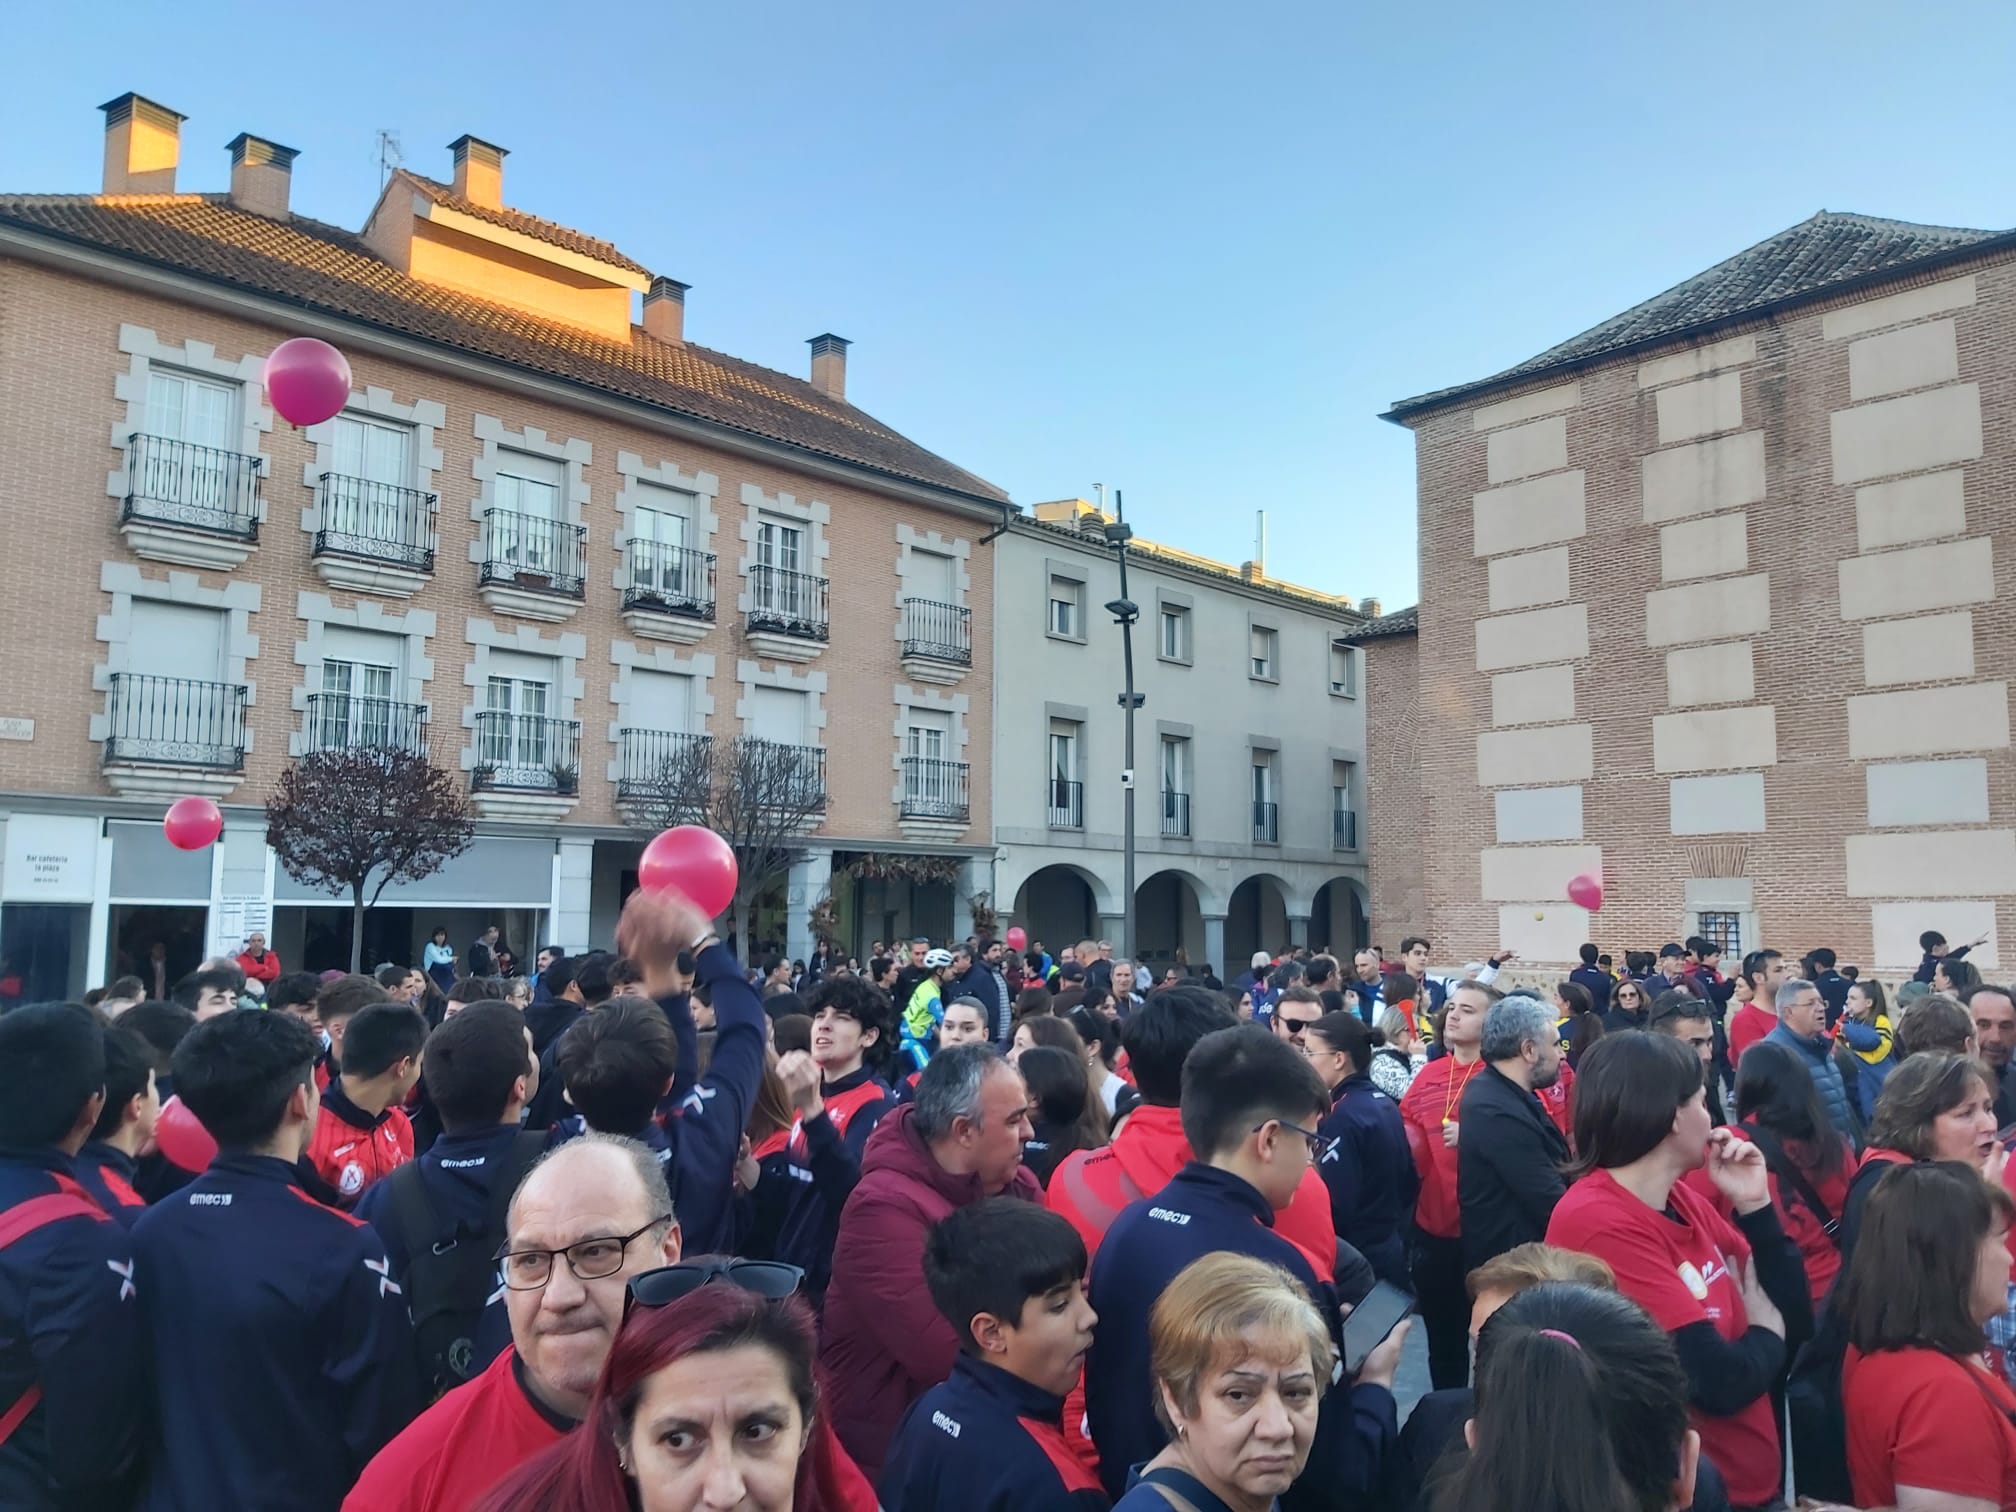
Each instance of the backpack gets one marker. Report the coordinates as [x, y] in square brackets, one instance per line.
[450, 1266]
[69, 1201]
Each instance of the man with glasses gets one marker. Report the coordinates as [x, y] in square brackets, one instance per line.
[592, 1214]
[1299, 1008]
[1251, 1103]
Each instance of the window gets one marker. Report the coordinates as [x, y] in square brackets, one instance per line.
[195, 410]
[526, 491]
[1176, 787]
[528, 485]
[200, 421]
[1263, 664]
[373, 451]
[1343, 671]
[1724, 931]
[1066, 603]
[780, 559]
[781, 716]
[1266, 810]
[356, 705]
[930, 575]
[658, 563]
[1175, 634]
[517, 732]
[1067, 803]
[1343, 815]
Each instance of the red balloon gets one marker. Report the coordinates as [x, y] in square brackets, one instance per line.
[307, 380]
[192, 823]
[182, 1137]
[1586, 891]
[693, 861]
[1018, 939]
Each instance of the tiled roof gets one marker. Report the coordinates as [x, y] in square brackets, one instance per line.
[525, 225]
[1400, 622]
[1830, 253]
[327, 269]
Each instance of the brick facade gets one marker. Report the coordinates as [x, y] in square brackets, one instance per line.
[1394, 815]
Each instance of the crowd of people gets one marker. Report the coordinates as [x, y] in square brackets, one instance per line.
[966, 1227]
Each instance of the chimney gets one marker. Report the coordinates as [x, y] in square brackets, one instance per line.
[143, 142]
[261, 174]
[665, 310]
[1253, 572]
[829, 365]
[479, 171]
[1369, 608]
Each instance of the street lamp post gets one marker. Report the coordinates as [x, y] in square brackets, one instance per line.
[1125, 612]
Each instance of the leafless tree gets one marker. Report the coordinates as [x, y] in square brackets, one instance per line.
[357, 820]
[761, 797]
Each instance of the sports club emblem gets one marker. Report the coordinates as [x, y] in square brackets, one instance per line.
[351, 1182]
[1693, 1280]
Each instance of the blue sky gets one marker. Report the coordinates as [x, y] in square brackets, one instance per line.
[1187, 250]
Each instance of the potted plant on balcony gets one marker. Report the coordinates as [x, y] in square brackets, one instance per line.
[483, 777]
[566, 779]
[539, 582]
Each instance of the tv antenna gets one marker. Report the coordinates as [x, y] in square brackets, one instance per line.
[389, 155]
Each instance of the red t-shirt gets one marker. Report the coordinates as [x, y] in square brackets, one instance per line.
[1747, 1025]
[350, 1158]
[1801, 1224]
[1920, 1418]
[1680, 1266]
[459, 1448]
[1559, 1101]
[1432, 1101]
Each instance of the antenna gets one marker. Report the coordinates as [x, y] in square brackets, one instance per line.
[1260, 541]
[389, 154]
[1099, 493]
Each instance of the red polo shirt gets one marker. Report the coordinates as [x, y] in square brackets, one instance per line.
[461, 1447]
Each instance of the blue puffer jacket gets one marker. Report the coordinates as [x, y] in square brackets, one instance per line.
[1818, 1054]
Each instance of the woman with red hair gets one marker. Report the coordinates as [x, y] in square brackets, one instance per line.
[707, 1402]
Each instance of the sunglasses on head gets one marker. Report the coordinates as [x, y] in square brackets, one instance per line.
[770, 1279]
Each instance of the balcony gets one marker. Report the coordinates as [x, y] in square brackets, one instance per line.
[784, 783]
[786, 620]
[167, 736]
[1344, 829]
[344, 722]
[932, 801]
[1266, 823]
[937, 641]
[533, 567]
[192, 505]
[664, 777]
[1175, 815]
[1067, 804]
[668, 592]
[373, 537]
[527, 766]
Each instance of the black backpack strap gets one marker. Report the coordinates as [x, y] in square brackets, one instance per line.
[1788, 1174]
[406, 1195]
[525, 1149]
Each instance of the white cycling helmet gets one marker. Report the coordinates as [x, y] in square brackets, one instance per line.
[933, 959]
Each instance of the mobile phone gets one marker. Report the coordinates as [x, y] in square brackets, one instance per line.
[1372, 1322]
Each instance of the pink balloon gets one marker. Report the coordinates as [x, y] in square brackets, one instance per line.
[1586, 891]
[1017, 938]
[182, 1137]
[307, 380]
[192, 823]
[693, 861]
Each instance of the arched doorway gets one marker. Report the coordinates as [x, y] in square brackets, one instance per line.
[1257, 918]
[1168, 915]
[1056, 905]
[1338, 919]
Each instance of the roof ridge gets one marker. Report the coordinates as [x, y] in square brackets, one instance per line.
[569, 238]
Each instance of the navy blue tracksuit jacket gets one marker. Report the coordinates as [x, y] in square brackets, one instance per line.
[457, 1173]
[108, 1174]
[985, 1441]
[70, 1327]
[1370, 1175]
[292, 1354]
[1200, 1212]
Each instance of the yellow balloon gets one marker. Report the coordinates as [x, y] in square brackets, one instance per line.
[1539, 916]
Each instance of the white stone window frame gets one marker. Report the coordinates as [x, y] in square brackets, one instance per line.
[752, 674]
[317, 611]
[955, 706]
[424, 418]
[705, 522]
[567, 650]
[627, 658]
[147, 351]
[1056, 569]
[1272, 626]
[909, 539]
[125, 582]
[1167, 599]
[815, 515]
[496, 439]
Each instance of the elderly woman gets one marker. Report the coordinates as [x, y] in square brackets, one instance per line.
[1241, 1358]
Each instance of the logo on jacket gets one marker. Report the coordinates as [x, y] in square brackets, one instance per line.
[123, 1269]
[1693, 1280]
[351, 1182]
[945, 1424]
[1168, 1215]
[382, 1269]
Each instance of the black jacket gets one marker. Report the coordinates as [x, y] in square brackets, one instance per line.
[1370, 1174]
[1509, 1157]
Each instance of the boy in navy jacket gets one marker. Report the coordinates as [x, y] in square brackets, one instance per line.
[1009, 1277]
[292, 1356]
[1250, 1106]
[73, 1377]
[109, 1163]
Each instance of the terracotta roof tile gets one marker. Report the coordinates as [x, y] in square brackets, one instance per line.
[526, 225]
[328, 269]
[1400, 622]
[1828, 253]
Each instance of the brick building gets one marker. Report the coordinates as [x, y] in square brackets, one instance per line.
[545, 541]
[1716, 598]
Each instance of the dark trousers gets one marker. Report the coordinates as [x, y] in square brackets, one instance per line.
[1444, 1304]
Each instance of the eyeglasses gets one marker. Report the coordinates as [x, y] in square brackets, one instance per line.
[770, 1279]
[588, 1259]
[1319, 1147]
[1296, 1027]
